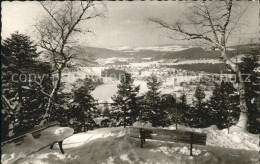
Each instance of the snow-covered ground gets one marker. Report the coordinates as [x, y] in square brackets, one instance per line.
[221, 138]
[12, 153]
[113, 145]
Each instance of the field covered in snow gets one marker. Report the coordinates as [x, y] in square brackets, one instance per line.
[113, 145]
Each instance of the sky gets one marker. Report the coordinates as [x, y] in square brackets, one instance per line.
[126, 23]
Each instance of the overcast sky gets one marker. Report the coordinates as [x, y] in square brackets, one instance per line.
[126, 24]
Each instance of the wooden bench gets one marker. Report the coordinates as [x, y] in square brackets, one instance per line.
[36, 133]
[180, 136]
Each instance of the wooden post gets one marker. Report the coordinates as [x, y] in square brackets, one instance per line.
[60, 145]
[191, 142]
[142, 137]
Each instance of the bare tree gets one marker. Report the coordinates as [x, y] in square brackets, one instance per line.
[58, 30]
[213, 23]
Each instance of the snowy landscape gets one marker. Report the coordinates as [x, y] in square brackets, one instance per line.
[144, 82]
[113, 145]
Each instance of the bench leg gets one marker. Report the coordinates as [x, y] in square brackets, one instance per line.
[60, 145]
[191, 142]
[51, 147]
[142, 143]
[142, 136]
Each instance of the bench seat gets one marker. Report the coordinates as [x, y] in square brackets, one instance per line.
[180, 136]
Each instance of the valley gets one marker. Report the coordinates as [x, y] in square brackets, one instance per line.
[181, 68]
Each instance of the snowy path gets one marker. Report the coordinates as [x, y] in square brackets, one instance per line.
[113, 145]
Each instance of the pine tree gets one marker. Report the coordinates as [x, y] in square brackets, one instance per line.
[83, 106]
[183, 109]
[127, 101]
[21, 51]
[223, 105]
[199, 96]
[197, 113]
[154, 111]
[19, 58]
[170, 107]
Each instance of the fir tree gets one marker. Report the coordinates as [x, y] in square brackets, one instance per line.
[19, 57]
[21, 51]
[127, 102]
[199, 96]
[83, 106]
[169, 105]
[223, 105]
[183, 108]
[197, 113]
[154, 111]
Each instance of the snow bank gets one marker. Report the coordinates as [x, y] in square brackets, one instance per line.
[112, 145]
[142, 124]
[181, 150]
[221, 138]
[55, 134]
[235, 140]
[114, 148]
[11, 152]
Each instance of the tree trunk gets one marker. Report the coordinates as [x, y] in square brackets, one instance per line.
[243, 118]
[50, 100]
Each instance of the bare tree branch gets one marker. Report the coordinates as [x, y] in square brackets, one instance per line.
[57, 32]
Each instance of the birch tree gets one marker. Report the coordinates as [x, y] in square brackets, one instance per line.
[212, 23]
[58, 31]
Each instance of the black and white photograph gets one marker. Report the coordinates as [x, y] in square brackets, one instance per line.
[130, 82]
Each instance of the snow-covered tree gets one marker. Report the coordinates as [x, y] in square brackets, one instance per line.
[199, 96]
[183, 108]
[169, 105]
[223, 106]
[19, 71]
[153, 111]
[83, 109]
[126, 100]
[197, 113]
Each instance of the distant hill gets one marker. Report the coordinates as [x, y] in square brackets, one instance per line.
[92, 53]
[95, 53]
[199, 53]
[191, 53]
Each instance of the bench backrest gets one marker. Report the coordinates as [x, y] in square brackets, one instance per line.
[169, 135]
[36, 132]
